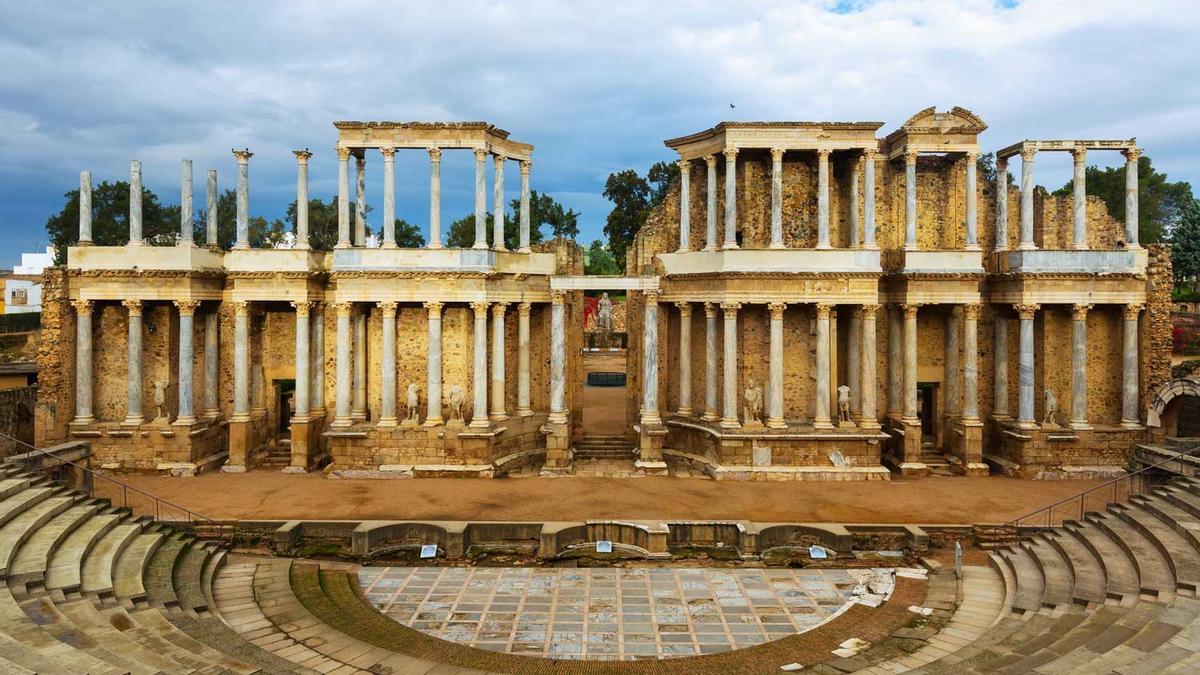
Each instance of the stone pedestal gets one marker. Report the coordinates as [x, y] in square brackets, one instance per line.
[304, 437]
[241, 443]
[558, 448]
[650, 445]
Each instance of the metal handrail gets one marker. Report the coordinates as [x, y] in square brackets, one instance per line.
[192, 516]
[1112, 485]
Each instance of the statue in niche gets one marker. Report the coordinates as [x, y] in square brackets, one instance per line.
[414, 399]
[1051, 409]
[160, 400]
[456, 396]
[752, 412]
[843, 401]
[604, 319]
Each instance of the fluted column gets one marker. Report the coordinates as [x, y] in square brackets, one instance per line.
[558, 357]
[187, 353]
[1079, 205]
[852, 205]
[303, 370]
[1001, 203]
[821, 418]
[1000, 376]
[133, 405]
[387, 380]
[498, 203]
[480, 200]
[730, 198]
[729, 413]
[972, 196]
[823, 198]
[970, 407]
[302, 157]
[867, 383]
[85, 208]
[342, 403]
[242, 228]
[1025, 414]
[1129, 369]
[479, 409]
[910, 363]
[241, 361]
[953, 394]
[710, 363]
[343, 198]
[187, 214]
[389, 197]
[317, 362]
[869, 157]
[1026, 242]
[435, 201]
[685, 359]
[210, 210]
[523, 236]
[83, 362]
[1079, 366]
[433, 365]
[895, 316]
[777, 198]
[910, 200]
[854, 362]
[524, 407]
[358, 409]
[360, 199]
[650, 414]
[710, 206]
[775, 419]
[135, 203]
[685, 192]
[1131, 197]
[212, 330]
[498, 412]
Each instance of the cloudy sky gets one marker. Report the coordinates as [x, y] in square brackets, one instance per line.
[595, 87]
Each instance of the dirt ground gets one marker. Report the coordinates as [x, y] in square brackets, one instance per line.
[272, 495]
[603, 408]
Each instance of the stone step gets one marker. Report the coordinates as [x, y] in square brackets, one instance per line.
[218, 659]
[1154, 575]
[35, 644]
[66, 563]
[12, 486]
[18, 530]
[1058, 581]
[212, 567]
[111, 634]
[1066, 638]
[33, 558]
[130, 569]
[15, 505]
[1030, 584]
[1180, 555]
[98, 564]
[1187, 525]
[1120, 575]
[1086, 569]
[189, 570]
[1184, 499]
[160, 581]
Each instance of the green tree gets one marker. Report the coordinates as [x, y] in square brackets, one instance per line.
[985, 166]
[633, 198]
[597, 260]
[1185, 244]
[408, 235]
[661, 176]
[263, 233]
[110, 219]
[462, 231]
[545, 210]
[1160, 202]
[322, 222]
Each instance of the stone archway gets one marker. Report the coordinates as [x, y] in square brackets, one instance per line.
[1167, 393]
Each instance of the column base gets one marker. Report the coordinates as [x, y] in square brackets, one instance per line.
[1132, 425]
[133, 421]
[822, 424]
[525, 412]
[434, 245]
[730, 423]
[729, 245]
[868, 424]
[387, 423]
[83, 421]
[341, 422]
[776, 423]
[479, 423]
[972, 247]
[1080, 247]
[342, 244]
[1026, 246]
[710, 416]
[389, 245]
[497, 416]
[1027, 424]
[823, 247]
[651, 419]
[188, 421]
[557, 417]
[212, 414]
[1080, 425]
[683, 412]
[358, 415]
[777, 245]
[480, 246]
[524, 249]
[433, 422]
[1001, 417]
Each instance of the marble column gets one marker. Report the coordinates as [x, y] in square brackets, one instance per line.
[342, 403]
[212, 330]
[1079, 366]
[869, 157]
[387, 366]
[1000, 376]
[1025, 414]
[241, 361]
[972, 197]
[910, 200]
[435, 200]
[187, 360]
[498, 412]
[558, 358]
[133, 405]
[895, 360]
[479, 409]
[524, 407]
[953, 394]
[360, 199]
[775, 419]
[685, 192]
[317, 361]
[910, 363]
[187, 214]
[210, 210]
[854, 362]
[730, 198]
[433, 365]
[303, 371]
[711, 413]
[823, 198]
[480, 200]
[1079, 206]
[243, 198]
[852, 204]
[1129, 369]
[867, 383]
[389, 197]
[821, 418]
[970, 394]
[135, 203]
[650, 414]
[777, 198]
[710, 206]
[1001, 203]
[729, 412]
[1026, 242]
[685, 359]
[343, 240]
[523, 237]
[358, 409]
[302, 157]
[1131, 197]
[498, 203]
[83, 362]
[85, 208]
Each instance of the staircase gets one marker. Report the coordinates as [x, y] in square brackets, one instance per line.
[279, 453]
[603, 447]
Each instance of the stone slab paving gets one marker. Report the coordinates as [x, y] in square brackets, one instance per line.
[608, 614]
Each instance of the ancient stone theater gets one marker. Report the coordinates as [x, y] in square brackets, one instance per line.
[812, 301]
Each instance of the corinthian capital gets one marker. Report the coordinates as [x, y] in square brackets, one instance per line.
[1028, 153]
[82, 307]
[480, 154]
[730, 154]
[710, 160]
[1131, 312]
[1132, 154]
[343, 154]
[303, 307]
[1027, 311]
[187, 307]
[302, 156]
[435, 154]
[134, 307]
[243, 156]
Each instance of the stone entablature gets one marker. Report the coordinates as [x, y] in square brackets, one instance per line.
[782, 135]
[422, 135]
[758, 261]
[934, 132]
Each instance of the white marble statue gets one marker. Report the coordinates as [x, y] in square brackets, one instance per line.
[843, 401]
[456, 396]
[604, 319]
[414, 400]
[1051, 409]
[160, 398]
[754, 400]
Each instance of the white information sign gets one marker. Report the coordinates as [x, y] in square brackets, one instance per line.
[604, 546]
[429, 551]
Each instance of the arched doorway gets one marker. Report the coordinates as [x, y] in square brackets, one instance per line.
[1174, 412]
